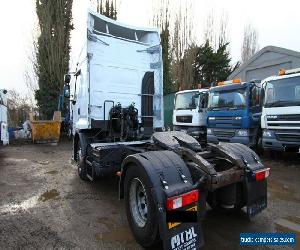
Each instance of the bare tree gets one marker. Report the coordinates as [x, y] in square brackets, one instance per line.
[30, 73]
[223, 30]
[182, 42]
[106, 7]
[19, 107]
[210, 30]
[250, 43]
[216, 33]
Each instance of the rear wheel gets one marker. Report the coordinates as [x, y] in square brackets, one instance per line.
[140, 207]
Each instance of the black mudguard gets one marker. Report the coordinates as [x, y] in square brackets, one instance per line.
[165, 170]
[255, 192]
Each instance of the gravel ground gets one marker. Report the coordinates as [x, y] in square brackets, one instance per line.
[44, 205]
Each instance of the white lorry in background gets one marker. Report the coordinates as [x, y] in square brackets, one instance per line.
[189, 113]
[280, 118]
[3, 117]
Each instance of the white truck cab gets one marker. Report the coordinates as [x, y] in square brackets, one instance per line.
[189, 114]
[116, 70]
[3, 117]
[280, 118]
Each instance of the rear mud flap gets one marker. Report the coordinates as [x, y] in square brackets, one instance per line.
[256, 193]
[183, 236]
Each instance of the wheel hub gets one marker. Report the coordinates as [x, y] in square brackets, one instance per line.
[138, 202]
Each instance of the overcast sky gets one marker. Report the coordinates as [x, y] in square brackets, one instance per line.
[277, 23]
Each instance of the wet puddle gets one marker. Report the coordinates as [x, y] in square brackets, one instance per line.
[42, 162]
[295, 219]
[12, 161]
[117, 234]
[282, 192]
[120, 234]
[52, 172]
[105, 221]
[48, 195]
[24, 205]
[289, 225]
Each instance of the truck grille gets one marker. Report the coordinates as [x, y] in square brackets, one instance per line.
[184, 118]
[290, 121]
[225, 118]
[290, 137]
[224, 133]
[286, 118]
[222, 121]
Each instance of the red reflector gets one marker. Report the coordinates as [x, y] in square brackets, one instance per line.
[262, 174]
[182, 200]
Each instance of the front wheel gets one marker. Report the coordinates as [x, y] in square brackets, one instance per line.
[140, 207]
[81, 165]
[259, 145]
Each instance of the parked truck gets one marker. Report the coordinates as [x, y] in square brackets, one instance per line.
[3, 117]
[234, 112]
[166, 178]
[281, 111]
[189, 113]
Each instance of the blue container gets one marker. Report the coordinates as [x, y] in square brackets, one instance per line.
[11, 133]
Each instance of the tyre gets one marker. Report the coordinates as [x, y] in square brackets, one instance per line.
[81, 166]
[140, 207]
[259, 146]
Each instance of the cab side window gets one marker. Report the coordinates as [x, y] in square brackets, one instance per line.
[255, 95]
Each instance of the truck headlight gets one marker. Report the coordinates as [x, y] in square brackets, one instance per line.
[242, 132]
[211, 118]
[267, 133]
[209, 131]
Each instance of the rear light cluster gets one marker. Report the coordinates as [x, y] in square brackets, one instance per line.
[182, 200]
[262, 174]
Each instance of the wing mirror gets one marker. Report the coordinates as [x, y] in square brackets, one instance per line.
[67, 79]
[262, 96]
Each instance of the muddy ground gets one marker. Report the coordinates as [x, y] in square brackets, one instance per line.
[44, 205]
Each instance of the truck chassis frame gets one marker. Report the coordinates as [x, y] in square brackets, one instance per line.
[168, 165]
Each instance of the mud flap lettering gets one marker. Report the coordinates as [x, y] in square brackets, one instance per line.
[185, 240]
[183, 235]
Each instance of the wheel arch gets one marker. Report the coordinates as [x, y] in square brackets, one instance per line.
[80, 137]
[159, 166]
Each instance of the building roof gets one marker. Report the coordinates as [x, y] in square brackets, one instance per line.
[262, 51]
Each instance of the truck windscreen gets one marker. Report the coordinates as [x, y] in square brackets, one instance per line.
[187, 100]
[227, 99]
[283, 92]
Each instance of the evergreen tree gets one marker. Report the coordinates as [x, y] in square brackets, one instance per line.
[212, 66]
[165, 42]
[55, 23]
[161, 19]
